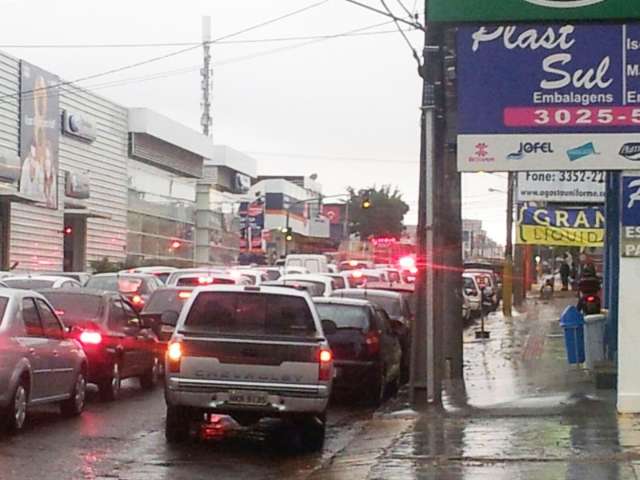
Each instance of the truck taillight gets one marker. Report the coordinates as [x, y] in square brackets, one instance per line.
[325, 360]
[372, 341]
[174, 356]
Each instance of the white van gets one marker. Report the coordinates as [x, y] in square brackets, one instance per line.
[313, 263]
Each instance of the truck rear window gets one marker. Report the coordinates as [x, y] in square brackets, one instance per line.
[345, 316]
[239, 313]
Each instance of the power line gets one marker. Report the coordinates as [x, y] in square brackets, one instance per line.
[406, 39]
[336, 158]
[181, 71]
[173, 54]
[405, 8]
[414, 24]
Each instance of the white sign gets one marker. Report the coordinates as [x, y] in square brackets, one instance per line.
[586, 186]
[495, 153]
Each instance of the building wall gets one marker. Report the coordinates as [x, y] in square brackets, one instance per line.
[105, 161]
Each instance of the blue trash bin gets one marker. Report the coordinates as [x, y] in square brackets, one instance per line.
[572, 322]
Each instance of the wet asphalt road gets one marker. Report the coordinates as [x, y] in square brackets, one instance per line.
[125, 440]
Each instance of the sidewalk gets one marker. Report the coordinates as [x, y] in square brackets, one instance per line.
[522, 413]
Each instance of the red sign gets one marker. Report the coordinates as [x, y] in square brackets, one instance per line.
[333, 213]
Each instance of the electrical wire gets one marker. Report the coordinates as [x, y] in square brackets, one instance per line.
[172, 54]
[181, 71]
[405, 8]
[336, 158]
[406, 39]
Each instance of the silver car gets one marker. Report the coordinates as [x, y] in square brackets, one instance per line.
[38, 364]
[249, 352]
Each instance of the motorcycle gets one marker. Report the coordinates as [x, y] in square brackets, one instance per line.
[589, 302]
[547, 287]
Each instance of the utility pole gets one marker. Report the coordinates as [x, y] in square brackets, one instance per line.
[426, 367]
[507, 292]
[206, 81]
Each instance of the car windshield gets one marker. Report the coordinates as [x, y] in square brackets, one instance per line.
[338, 283]
[3, 306]
[390, 303]
[167, 300]
[273, 274]
[240, 313]
[27, 283]
[73, 308]
[315, 289]
[162, 276]
[344, 316]
[469, 284]
[116, 283]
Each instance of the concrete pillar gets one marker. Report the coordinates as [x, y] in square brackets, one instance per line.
[203, 225]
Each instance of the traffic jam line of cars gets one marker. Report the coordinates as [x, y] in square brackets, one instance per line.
[234, 345]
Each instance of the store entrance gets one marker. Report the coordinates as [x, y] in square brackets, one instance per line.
[75, 243]
[5, 220]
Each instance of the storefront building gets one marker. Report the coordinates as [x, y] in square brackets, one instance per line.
[63, 194]
[164, 165]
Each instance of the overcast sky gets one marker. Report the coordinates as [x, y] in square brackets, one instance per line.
[345, 108]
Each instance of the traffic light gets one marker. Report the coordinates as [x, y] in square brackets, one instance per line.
[176, 244]
[288, 234]
[68, 230]
[366, 201]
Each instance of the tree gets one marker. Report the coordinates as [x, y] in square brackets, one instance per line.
[377, 212]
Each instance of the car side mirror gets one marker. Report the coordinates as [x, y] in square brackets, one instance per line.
[169, 318]
[329, 327]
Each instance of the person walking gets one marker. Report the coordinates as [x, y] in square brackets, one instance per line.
[565, 272]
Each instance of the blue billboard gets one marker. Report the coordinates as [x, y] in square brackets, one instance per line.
[556, 97]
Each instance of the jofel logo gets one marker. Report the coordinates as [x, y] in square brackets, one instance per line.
[564, 3]
[481, 154]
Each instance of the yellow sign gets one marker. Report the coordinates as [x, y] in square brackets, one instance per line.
[569, 227]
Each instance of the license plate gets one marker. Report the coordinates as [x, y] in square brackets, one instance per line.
[166, 329]
[247, 398]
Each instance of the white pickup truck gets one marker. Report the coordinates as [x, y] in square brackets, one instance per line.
[248, 352]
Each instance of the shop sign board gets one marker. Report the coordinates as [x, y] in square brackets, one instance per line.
[630, 232]
[512, 10]
[77, 185]
[39, 135]
[79, 125]
[552, 97]
[9, 166]
[587, 186]
[568, 227]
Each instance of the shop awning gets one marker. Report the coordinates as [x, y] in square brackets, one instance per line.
[85, 213]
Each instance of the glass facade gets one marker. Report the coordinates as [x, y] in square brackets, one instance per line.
[161, 217]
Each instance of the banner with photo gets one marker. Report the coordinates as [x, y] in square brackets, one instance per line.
[39, 135]
[569, 227]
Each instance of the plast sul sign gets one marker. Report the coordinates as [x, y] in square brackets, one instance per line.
[512, 10]
[552, 97]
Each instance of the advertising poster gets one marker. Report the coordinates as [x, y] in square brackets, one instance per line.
[39, 135]
[558, 187]
[548, 97]
[630, 233]
[568, 227]
[510, 10]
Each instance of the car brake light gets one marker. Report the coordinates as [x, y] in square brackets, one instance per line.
[137, 300]
[372, 341]
[325, 359]
[59, 312]
[174, 356]
[357, 274]
[591, 298]
[184, 295]
[90, 338]
[205, 280]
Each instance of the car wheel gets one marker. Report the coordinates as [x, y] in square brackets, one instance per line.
[312, 432]
[176, 428]
[110, 387]
[16, 412]
[149, 380]
[74, 406]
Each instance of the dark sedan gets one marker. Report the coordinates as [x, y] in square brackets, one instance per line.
[135, 287]
[117, 344]
[163, 309]
[366, 349]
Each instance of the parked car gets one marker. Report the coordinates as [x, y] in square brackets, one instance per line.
[486, 280]
[251, 353]
[82, 277]
[161, 302]
[37, 282]
[326, 285]
[38, 363]
[117, 344]
[135, 287]
[162, 273]
[398, 307]
[472, 298]
[366, 349]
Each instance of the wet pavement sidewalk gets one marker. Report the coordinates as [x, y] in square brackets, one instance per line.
[521, 413]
